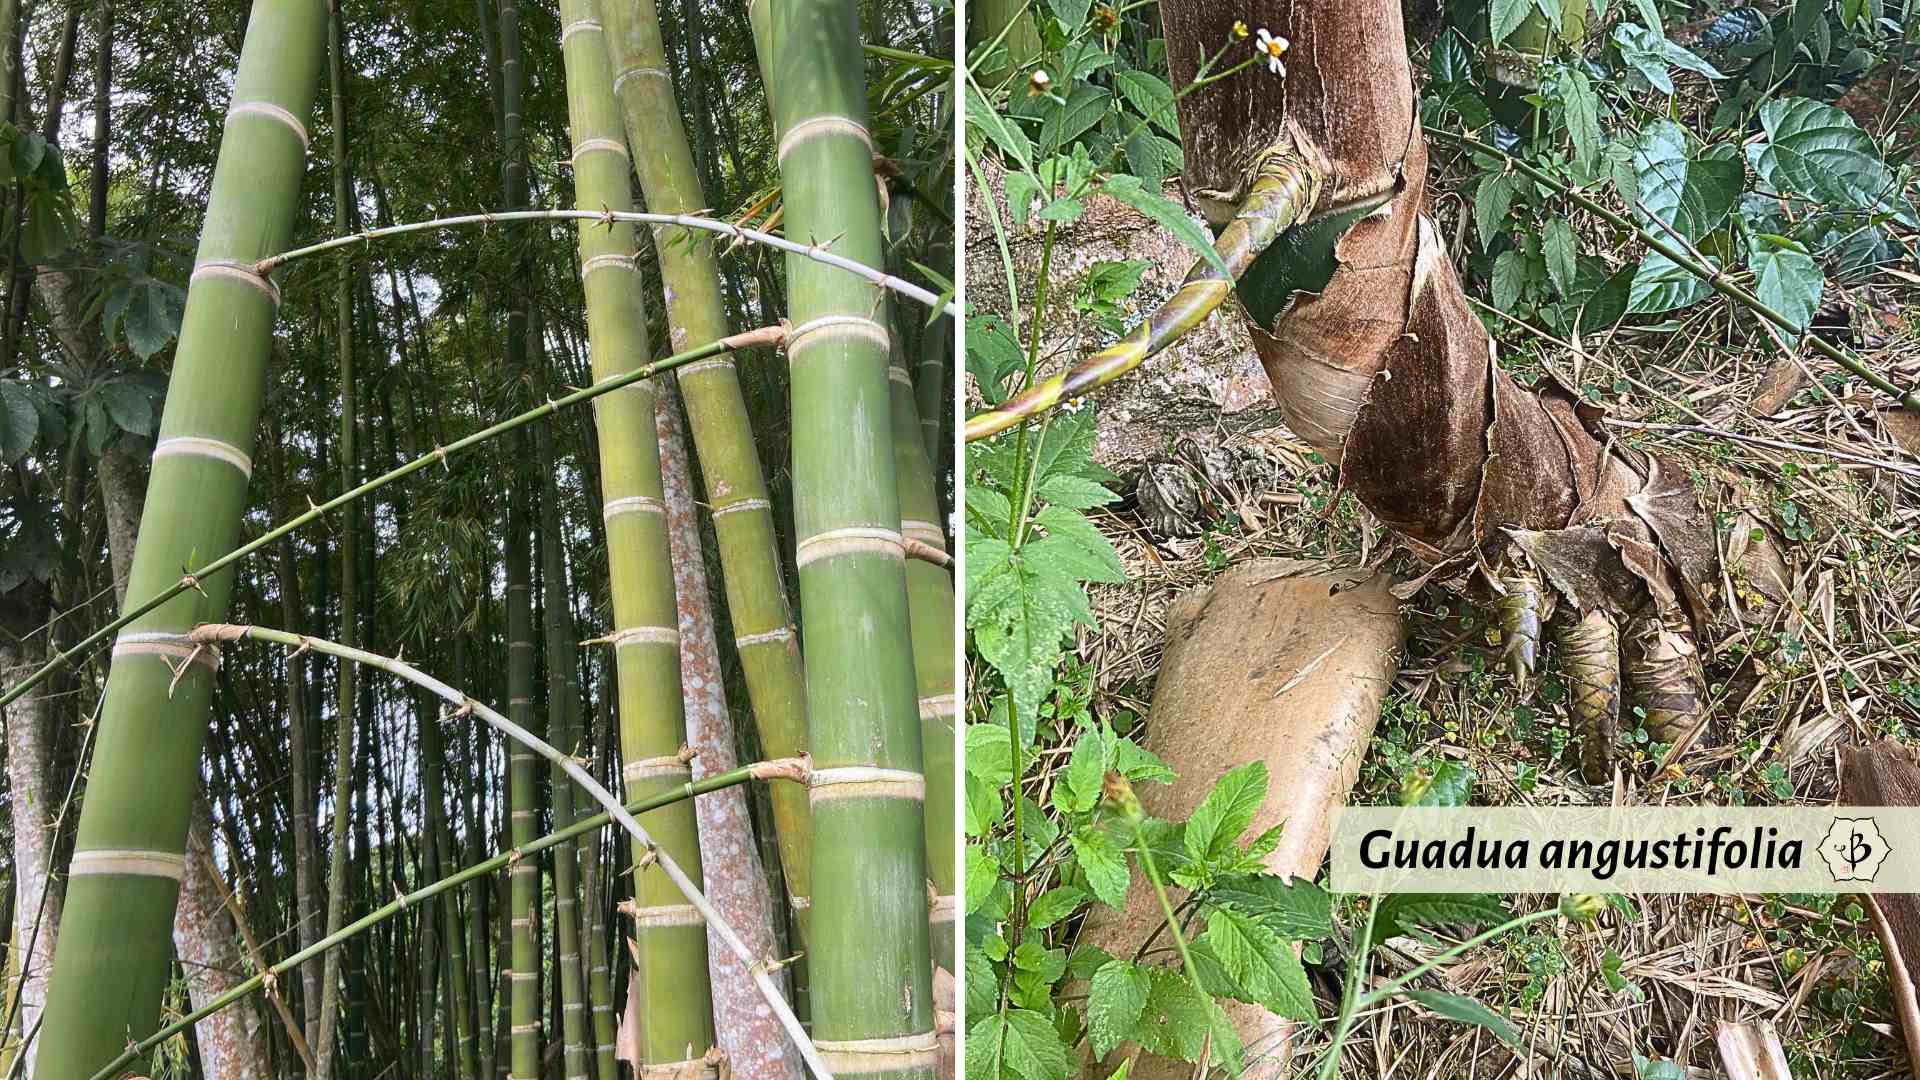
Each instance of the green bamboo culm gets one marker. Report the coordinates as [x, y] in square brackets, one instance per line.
[563, 717]
[676, 1009]
[599, 971]
[523, 800]
[870, 970]
[930, 605]
[722, 433]
[117, 945]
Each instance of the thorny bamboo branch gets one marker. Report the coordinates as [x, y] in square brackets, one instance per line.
[211, 634]
[770, 336]
[817, 252]
[1285, 189]
[796, 769]
[1718, 280]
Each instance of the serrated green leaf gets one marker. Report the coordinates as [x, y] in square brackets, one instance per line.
[1452, 60]
[1557, 243]
[1511, 272]
[1504, 17]
[1103, 864]
[1152, 158]
[1446, 784]
[1151, 95]
[1403, 912]
[1071, 13]
[1294, 908]
[1582, 115]
[1022, 1044]
[1226, 811]
[993, 356]
[1262, 964]
[1167, 214]
[1073, 492]
[1080, 784]
[1491, 200]
[1055, 904]
[1817, 151]
[1115, 999]
[1467, 1011]
[1175, 1022]
[1137, 763]
[982, 874]
[1083, 108]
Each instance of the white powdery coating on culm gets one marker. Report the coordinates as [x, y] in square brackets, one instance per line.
[196, 446]
[818, 127]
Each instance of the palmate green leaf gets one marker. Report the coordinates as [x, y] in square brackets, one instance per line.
[147, 309]
[1115, 999]
[1226, 812]
[1262, 964]
[1786, 278]
[1103, 864]
[1467, 1011]
[1022, 1045]
[1294, 908]
[1167, 214]
[1818, 152]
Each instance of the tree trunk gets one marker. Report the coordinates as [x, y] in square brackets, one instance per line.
[124, 880]
[35, 794]
[756, 1046]
[234, 1041]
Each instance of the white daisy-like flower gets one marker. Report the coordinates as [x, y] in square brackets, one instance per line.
[1273, 47]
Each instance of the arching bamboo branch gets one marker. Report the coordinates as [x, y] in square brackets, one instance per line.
[212, 634]
[794, 769]
[817, 252]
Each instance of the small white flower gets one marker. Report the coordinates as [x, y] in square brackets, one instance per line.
[1273, 46]
[1039, 82]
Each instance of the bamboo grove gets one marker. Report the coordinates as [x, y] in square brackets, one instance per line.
[473, 598]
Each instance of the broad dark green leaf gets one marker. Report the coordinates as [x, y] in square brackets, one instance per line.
[1504, 17]
[1083, 109]
[1558, 244]
[1817, 151]
[1022, 1045]
[1660, 284]
[1491, 201]
[1175, 1022]
[1786, 279]
[1294, 908]
[1103, 864]
[1403, 912]
[19, 421]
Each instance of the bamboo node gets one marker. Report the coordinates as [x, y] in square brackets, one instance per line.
[440, 452]
[852, 540]
[865, 782]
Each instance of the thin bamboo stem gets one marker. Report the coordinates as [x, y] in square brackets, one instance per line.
[793, 769]
[752, 339]
[817, 252]
[212, 634]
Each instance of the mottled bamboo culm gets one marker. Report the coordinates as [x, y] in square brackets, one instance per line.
[671, 937]
[1285, 189]
[736, 488]
[116, 948]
